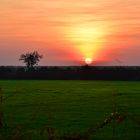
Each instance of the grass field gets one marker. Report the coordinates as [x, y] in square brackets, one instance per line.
[71, 107]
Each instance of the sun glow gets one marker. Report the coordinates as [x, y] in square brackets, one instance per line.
[86, 39]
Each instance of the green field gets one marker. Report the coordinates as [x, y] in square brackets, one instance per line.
[71, 107]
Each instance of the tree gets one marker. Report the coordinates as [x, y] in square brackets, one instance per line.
[31, 59]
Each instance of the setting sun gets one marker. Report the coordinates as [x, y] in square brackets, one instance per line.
[88, 61]
[86, 38]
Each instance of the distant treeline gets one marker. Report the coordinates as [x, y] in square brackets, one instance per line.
[71, 73]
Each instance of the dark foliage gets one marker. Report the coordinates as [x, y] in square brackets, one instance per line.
[71, 73]
[30, 59]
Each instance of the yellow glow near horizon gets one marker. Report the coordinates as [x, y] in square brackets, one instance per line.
[85, 33]
[86, 39]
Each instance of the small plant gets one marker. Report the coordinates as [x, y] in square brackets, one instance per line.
[17, 134]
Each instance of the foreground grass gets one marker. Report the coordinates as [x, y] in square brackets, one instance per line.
[71, 106]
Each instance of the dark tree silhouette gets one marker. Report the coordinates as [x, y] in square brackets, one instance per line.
[31, 59]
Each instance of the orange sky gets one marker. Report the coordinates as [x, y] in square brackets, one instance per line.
[68, 31]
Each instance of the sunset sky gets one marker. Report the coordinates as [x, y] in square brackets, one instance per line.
[67, 32]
